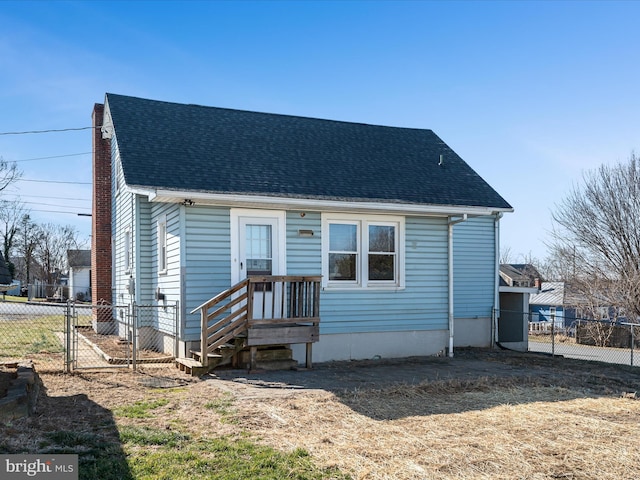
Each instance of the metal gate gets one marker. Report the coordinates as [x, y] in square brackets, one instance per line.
[119, 336]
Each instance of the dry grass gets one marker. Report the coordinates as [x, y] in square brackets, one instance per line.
[483, 428]
[510, 431]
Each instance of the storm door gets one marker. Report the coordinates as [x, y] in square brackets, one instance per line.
[259, 253]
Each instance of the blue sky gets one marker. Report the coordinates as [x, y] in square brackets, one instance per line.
[530, 94]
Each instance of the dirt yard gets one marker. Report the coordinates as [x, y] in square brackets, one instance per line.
[480, 415]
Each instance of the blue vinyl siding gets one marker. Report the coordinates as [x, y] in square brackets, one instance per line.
[123, 220]
[169, 282]
[564, 317]
[208, 260]
[304, 255]
[474, 267]
[421, 305]
[144, 255]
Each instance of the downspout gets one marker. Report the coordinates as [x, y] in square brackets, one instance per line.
[450, 255]
[496, 276]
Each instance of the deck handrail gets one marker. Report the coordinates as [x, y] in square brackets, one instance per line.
[293, 299]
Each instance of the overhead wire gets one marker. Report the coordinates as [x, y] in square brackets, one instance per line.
[52, 181]
[19, 196]
[48, 158]
[56, 130]
[52, 130]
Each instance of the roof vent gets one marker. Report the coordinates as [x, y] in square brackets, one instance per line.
[441, 162]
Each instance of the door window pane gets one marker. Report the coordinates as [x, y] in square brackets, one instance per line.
[258, 249]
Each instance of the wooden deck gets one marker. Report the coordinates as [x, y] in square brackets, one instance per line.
[257, 312]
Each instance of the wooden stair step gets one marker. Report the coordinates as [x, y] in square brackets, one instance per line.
[190, 366]
[197, 354]
[189, 362]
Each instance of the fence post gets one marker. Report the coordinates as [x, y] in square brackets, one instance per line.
[553, 337]
[632, 342]
[68, 326]
[176, 309]
[134, 334]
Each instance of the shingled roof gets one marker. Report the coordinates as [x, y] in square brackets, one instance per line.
[183, 147]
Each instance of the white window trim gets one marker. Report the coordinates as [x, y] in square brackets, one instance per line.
[127, 251]
[162, 225]
[363, 222]
[117, 172]
[234, 217]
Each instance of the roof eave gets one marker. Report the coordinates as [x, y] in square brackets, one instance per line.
[290, 203]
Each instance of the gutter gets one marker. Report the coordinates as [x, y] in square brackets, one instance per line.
[496, 294]
[316, 204]
[451, 223]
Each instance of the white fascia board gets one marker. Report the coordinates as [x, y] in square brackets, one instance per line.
[258, 201]
[508, 289]
[107, 122]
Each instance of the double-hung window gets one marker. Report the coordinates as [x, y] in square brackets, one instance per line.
[127, 251]
[162, 245]
[363, 252]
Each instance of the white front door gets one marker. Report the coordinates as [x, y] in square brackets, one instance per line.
[259, 250]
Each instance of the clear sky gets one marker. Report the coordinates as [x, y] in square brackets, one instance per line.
[530, 94]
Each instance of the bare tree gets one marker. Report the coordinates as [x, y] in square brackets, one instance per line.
[27, 238]
[598, 235]
[11, 213]
[51, 250]
[506, 255]
[9, 173]
[560, 264]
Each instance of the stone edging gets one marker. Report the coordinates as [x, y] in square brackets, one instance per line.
[20, 400]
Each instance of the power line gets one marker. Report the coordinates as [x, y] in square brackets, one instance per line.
[53, 130]
[55, 205]
[52, 181]
[19, 196]
[47, 158]
[58, 211]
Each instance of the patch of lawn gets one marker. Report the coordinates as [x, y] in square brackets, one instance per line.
[219, 458]
[22, 337]
[97, 457]
[222, 406]
[140, 409]
[14, 298]
[152, 436]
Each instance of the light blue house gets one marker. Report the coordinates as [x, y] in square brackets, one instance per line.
[552, 306]
[388, 238]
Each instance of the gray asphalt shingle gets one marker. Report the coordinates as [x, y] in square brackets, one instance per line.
[208, 149]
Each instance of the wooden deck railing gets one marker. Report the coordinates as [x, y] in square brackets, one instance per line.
[260, 302]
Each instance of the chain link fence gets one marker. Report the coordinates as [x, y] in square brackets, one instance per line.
[72, 336]
[586, 339]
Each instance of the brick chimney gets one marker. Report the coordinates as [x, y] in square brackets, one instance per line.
[101, 277]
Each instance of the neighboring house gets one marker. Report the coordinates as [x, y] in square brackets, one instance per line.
[518, 282]
[79, 262]
[520, 275]
[189, 200]
[552, 305]
[20, 272]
